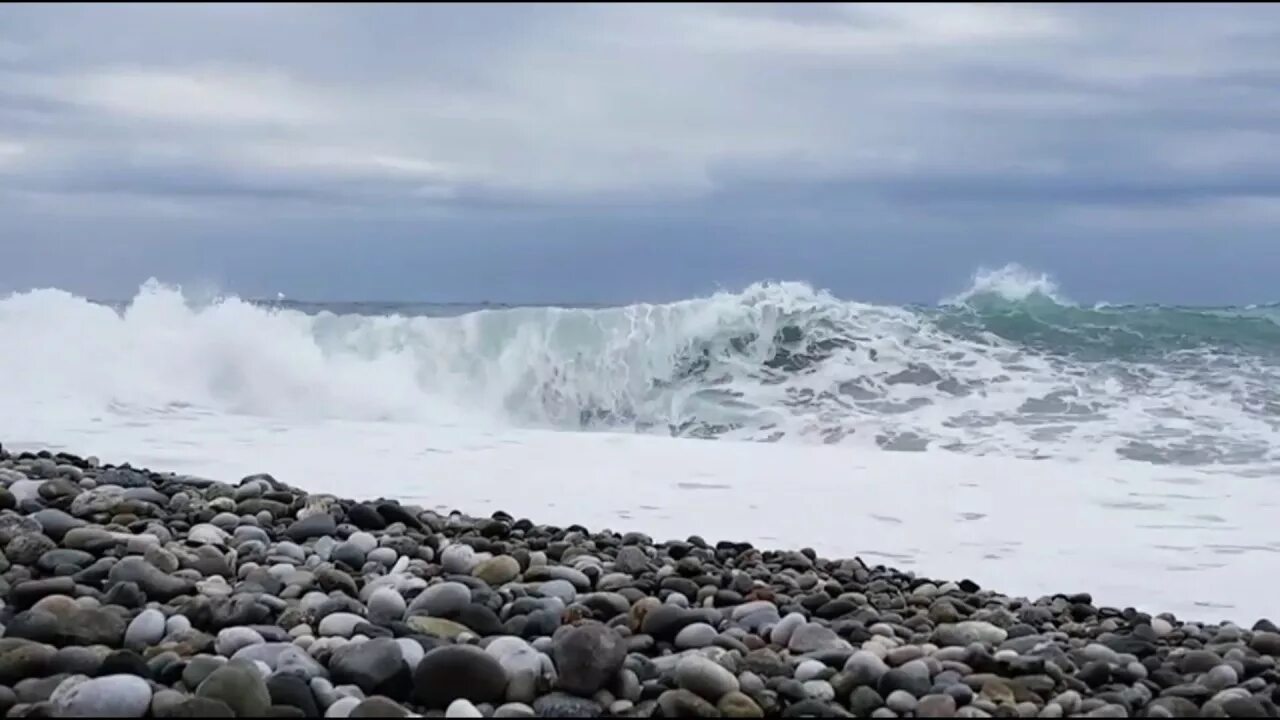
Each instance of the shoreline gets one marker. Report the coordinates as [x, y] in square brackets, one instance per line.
[206, 595]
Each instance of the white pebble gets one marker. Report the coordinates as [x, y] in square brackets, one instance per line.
[342, 707]
[462, 708]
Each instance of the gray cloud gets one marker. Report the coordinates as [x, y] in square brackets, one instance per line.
[904, 119]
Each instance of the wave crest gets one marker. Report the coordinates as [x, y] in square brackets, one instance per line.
[1008, 366]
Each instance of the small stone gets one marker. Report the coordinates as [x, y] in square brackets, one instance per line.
[240, 687]
[438, 627]
[813, 637]
[683, 703]
[517, 710]
[809, 670]
[864, 701]
[459, 559]
[529, 672]
[936, 706]
[340, 624]
[1199, 661]
[704, 677]
[442, 600]
[378, 707]
[385, 605]
[293, 691]
[313, 526]
[866, 668]
[27, 548]
[107, 696]
[819, 690]
[902, 679]
[367, 664]
[587, 657]
[566, 706]
[697, 635]
[738, 705]
[781, 633]
[962, 634]
[901, 702]
[154, 582]
[349, 555]
[461, 708]
[1266, 643]
[998, 692]
[342, 707]
[230, 640]
[1220, 678]
[458, 671]
[498, 570]
[145, 630]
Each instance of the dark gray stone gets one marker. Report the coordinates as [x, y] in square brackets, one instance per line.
[240, 687]
[367, 665]
[587, 657]
[314, 526]
[458, 671]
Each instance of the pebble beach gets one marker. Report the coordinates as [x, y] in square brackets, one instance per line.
[138, 593]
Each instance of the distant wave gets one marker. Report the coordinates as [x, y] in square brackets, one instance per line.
[1008, 366]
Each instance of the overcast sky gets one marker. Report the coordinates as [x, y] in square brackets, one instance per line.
[620, 152]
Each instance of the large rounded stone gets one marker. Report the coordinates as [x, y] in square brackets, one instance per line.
[385, 605]
[498, 570]
[293, 691]
[153, 581]
[367, 664]
[107, 696]
[441, 600]
[738, 705]
[378, 707]
[231, 640]
[865, 668]
[240, 687]
[21, 659]
[529, 672]
[27, 548]
[458, 671]
[965, 633]
[705, 677]
[560, 705]
[683, 703]
[459, 559]
[313, 526]
[697, 635]
[145, 630]
[587, 657]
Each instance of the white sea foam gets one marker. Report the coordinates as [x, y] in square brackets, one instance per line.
[774, 361]
[1162, 539]
[455, 411]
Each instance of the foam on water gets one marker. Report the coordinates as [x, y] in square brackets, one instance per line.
[1162, 539]
[1153, 430]
[1008, 367]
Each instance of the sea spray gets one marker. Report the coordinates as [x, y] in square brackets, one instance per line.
[1009, 366]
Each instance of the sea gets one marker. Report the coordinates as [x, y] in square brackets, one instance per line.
[1006, 434]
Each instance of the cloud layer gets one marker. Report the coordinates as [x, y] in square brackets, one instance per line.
[1107, 118]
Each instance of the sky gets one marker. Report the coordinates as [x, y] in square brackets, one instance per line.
[611, 153]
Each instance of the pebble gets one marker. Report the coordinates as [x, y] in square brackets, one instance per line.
[107, 696]
[441, 600]
[448, 673]
[704, 677]
[697, 635]
[242, 688]
[586, 657]
[145, 630]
